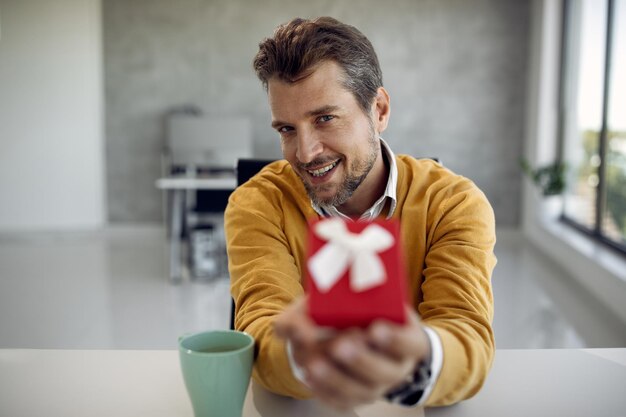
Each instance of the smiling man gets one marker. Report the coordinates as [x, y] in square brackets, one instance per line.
[329, 141]
[329, 107]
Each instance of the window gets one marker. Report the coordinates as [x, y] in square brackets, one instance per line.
[593, 118]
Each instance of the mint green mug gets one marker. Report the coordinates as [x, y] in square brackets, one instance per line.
[216, 367]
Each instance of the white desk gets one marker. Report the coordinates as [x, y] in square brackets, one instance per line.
[528, 383]
[176, 188]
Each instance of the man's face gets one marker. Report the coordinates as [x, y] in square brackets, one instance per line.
[326, 137]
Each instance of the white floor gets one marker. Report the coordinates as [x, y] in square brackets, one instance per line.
[110, 290]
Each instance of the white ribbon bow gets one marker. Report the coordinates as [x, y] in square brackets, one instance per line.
[346, 249]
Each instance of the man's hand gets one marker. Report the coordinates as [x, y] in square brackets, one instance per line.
[354, 366]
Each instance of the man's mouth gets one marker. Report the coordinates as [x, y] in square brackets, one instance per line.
[320, 172]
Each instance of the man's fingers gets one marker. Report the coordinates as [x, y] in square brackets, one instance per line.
[294, 323]
[336, 387]
[372, 367]
[400, 341]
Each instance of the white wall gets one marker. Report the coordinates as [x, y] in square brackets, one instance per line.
[51, 140]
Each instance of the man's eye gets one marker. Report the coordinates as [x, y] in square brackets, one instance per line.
[326, 118]
[285, 129]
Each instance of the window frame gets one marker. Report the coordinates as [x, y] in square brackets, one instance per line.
[595, 232]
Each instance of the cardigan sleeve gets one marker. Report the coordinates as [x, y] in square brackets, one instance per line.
[264, 280]
[457, 295]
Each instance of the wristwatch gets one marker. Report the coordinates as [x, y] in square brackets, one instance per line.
[412, 390]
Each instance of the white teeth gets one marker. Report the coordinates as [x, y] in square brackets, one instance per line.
[322, 171]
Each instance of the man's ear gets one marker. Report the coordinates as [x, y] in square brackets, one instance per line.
[381, 108]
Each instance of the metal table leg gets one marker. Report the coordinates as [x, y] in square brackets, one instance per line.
[177, 201]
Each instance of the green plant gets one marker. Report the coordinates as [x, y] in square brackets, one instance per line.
[549, 178]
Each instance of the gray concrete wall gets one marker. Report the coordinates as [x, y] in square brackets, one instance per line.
[456, 71]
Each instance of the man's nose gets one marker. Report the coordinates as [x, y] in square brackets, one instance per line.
[309, 147]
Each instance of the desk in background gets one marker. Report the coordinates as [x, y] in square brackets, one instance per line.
[176, 188]
[525, 383]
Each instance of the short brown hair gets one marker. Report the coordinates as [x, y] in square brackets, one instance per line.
[301, 44]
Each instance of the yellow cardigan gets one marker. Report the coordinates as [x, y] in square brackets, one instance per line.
[447, 231]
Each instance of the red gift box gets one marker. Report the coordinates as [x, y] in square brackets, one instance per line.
[355, 272]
